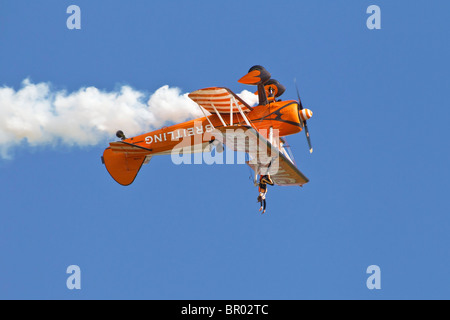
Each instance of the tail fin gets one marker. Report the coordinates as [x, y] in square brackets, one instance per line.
[123, 167]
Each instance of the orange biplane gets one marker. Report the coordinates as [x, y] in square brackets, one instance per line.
[257, 131]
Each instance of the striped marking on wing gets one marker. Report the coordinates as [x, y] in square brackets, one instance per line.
[220, 98]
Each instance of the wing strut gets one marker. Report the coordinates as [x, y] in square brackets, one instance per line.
[242, 113]
[204, 113]
[218, 114]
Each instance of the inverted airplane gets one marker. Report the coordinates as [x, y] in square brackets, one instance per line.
[228, 119]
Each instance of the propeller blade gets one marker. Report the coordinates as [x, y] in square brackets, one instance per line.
[304, 125]
[300, 106]
[308, 138]
[298, 95]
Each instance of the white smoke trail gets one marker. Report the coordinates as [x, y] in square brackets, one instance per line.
[37, 115]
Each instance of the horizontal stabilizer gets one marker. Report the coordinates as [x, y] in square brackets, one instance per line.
[129, 148]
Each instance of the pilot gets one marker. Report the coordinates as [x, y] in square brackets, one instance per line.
[263, 182]
[274, 89]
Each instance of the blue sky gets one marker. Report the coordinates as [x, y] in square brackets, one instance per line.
[379, 172]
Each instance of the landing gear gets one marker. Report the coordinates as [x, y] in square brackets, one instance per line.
[120, 135]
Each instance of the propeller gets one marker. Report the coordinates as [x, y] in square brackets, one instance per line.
[303, 122]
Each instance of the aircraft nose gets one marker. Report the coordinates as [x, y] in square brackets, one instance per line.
[306, 114]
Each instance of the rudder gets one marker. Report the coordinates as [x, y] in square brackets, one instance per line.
[122, 167]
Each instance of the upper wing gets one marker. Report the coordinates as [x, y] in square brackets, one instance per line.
[220, 100]
[265, 157]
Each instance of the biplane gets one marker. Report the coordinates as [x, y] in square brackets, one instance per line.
[228, 120]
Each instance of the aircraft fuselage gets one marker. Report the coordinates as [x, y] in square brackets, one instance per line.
[280, 115]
